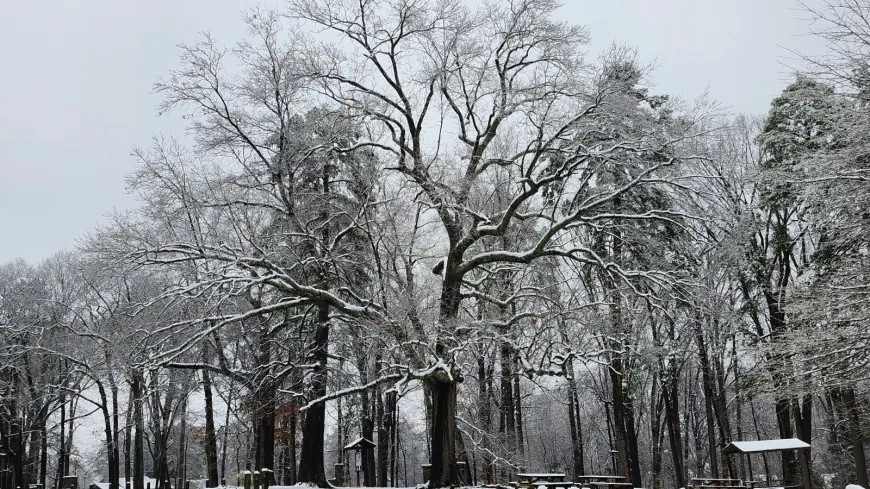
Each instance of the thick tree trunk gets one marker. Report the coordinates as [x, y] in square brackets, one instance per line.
[128, 444]
[633, 449]
[672, 419]
[656, 432]
[265, 426]
[803, 412]
[443, 433]
[111, 445]
[484, 417]
[574, 421]
[61, 446]
[139, 436]
[623, 464]
[367, 427]
[290, 470]
[709, 397]
[857, 437]
[518, 413]
[383, 439]
[210, 442]
[311, 469]
[181, 463]
[43, 452]
[784, 422]
[507, 420]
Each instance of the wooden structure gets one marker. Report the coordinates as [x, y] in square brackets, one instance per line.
[762, 446]
[601, 481]
[710, 483]
[360, 447]
[531, 480]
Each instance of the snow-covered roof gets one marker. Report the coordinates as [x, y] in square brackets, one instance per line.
[765, 446]
[360, 443]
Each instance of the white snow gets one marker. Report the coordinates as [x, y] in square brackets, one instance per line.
[854, 486]
[766, 445]
[358, 440]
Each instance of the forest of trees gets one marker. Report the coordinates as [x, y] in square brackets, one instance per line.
[450, 231]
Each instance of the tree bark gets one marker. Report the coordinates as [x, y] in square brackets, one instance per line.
[383, 439]
[857, 437]
[210, 442]
[574, 421]
[518, 413]
[311, 469]
[139, 437]
[443, 394]
[484, 416]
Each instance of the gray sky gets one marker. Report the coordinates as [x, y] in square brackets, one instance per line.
[75, 91]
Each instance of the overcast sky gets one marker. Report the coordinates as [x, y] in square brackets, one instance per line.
[75, 88]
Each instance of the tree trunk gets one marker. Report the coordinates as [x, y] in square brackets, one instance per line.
[181, 463]
[804, 421]
[620, 436]
[43, 452]
[574, 420]
[61, 446]
[672, 419]
[518, 413]
[290, 470]
[265, 426]
[507, 420]
[656, 432]
[633, 450]
[857, 437]
[383, 438]
[484, 416]
[139, 437]
[210, 442]
[128, 444]
[311, 468]
[443, 433]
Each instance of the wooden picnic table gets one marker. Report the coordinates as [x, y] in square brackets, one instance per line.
[543, 476]
[611, 484]
[599, 478]
[546, 479]
[713, 483]
[588, 480]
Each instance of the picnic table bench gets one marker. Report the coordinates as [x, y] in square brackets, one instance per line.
[611, 484]
[711, 483]
[546, 479]
[598, 480]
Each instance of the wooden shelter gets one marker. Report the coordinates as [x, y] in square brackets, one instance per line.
[361, 446]
[762, 446]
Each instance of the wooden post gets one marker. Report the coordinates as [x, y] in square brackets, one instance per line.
[805, 468]
[339, 474]
[246, 479]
